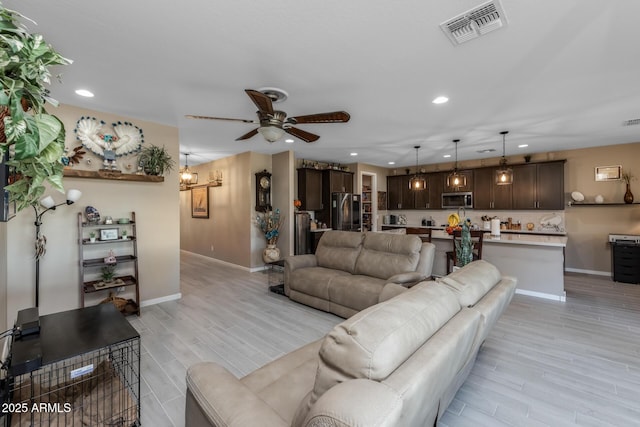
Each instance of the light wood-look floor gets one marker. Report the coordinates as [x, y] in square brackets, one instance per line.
[545, 363]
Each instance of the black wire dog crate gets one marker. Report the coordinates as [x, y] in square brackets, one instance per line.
[100, 387]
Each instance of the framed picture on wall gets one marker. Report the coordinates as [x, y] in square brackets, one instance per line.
[608, 173]
[382, 200]
[200, 202]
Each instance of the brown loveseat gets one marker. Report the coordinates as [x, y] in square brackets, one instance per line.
[397, 363]
[349, 270]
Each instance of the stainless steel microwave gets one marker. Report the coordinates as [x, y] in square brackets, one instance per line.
[463, 199]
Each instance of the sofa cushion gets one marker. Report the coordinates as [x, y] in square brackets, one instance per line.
[384, 255]
[314, 280]
[472, 282]
[375, 341]
[355, 291]
[339, 250]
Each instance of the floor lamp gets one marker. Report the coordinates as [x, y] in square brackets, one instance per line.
[49, 205]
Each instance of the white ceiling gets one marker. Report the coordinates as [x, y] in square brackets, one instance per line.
[563, 74]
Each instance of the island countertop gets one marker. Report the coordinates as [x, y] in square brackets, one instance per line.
[512, 238]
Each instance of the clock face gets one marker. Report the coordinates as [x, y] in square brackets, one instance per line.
[265, 182]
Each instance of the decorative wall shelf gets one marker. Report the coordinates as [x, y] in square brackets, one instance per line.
[211, 184]
[574, 204]
[117, 176]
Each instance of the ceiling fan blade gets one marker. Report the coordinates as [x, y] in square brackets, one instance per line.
[302, 134]
[262, 101]
[190, 116]
[248, 135]
[333, 117]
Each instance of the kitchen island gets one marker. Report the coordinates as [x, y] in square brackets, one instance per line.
[537, 261]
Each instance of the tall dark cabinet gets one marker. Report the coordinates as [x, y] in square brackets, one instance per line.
[310, 189]
[487, 194]
[539, 186]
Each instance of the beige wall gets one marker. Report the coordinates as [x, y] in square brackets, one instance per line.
[589, 227]
[231, 227]
[157, 213]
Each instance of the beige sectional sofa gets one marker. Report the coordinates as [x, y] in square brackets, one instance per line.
[349, 270]
[397, 363]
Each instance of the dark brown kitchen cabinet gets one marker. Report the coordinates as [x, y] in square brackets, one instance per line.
[337, 181]
[399, 196]
[468, 187]
[310, 189]
[431, 197]
[539, 186]
[487, 194]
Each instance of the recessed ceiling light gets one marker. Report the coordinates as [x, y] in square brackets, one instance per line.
[84, 92]
[523, 145]
[392, 163]
[289, 141]
[353, 154]
[446, 156]
[440, 100]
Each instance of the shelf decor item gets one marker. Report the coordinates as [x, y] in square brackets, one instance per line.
[155, 160]
[627, 177]
[33, 138]
[109, 234]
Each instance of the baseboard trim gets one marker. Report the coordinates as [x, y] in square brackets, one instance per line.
[228, 264]
[561, 298]
[155, 301]
[594, 272]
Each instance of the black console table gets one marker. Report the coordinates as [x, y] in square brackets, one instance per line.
[92, 354]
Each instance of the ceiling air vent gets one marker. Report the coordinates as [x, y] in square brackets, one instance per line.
[475, 22]
[631, 122]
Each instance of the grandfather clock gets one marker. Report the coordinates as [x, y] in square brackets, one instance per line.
[263, 191]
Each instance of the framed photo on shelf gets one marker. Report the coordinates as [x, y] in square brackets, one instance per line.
[608, 173]
[200, 202]
[109, 234]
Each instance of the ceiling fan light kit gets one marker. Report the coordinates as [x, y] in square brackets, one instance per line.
[456, 180]
[417, 182]
[504, 175]
[274, 124]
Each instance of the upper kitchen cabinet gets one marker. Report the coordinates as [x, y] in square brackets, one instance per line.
[336, 181]
[538, 186]
[399, 196]
[310, 189]
[487, 194]
[468, 187]
[431, 197]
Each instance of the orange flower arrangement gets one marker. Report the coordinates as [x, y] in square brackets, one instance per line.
[297, 203]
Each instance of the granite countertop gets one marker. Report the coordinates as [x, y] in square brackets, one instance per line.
[440, 227]
[513, 238]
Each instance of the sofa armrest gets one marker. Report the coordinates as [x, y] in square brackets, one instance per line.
[390, 290]
[224, 401]
[377, 405]
[407, 279]
[295, 262]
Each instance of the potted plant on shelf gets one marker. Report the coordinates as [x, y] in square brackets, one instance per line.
[155, 160]
[627, 177]
[92, 237]
[108, 273]
[270, 223]
[124, 234]
[31, 139]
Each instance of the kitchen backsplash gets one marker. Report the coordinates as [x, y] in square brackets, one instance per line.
[538, 218]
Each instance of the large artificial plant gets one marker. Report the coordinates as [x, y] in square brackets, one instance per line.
[33, 138]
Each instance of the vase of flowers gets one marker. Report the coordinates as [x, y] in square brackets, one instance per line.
[627, 177]
[270, 223]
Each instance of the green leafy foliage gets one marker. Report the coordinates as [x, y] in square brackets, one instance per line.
[34, 138]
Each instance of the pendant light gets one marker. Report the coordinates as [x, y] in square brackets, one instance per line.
[456, 180]
[185, 175]
[504, 175]
[417, 183]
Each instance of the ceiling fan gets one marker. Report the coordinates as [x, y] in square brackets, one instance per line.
[274, 123]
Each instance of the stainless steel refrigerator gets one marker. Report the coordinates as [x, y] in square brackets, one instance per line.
[303, 243]
[345, 211]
